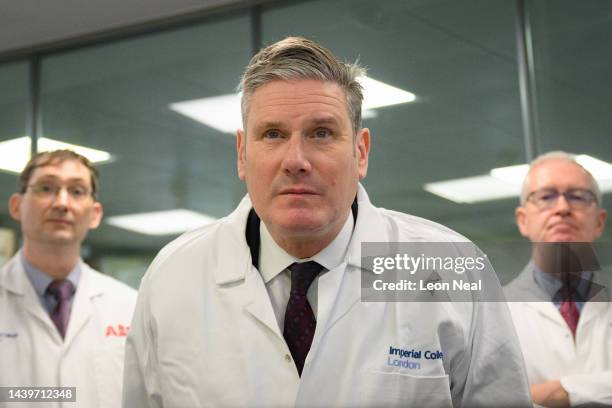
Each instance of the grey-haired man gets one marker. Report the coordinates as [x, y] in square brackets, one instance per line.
[263, 308]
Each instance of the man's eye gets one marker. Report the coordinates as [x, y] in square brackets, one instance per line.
[272, 134]
[77, 191]
[548, 196]
[576, 197]
[46, 188]
[322, 133]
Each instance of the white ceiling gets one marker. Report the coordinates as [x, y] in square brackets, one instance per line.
[33, 23]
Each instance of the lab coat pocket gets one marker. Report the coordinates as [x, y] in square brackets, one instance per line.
[387, 389]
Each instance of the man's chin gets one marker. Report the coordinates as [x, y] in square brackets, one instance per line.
[562, 237]
[61, 238]
[299, 224]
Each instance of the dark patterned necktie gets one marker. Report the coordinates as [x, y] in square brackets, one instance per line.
[61, 290]
[569, 311]
[300, 321]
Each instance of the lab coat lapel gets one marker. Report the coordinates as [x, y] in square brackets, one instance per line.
[340, 289]
[236, 268]
[257, 302]
[598, 304]
[82, 308]
[16, 280]
[535, 298]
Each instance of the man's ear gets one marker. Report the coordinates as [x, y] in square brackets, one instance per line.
[363, 151]
[96, 215]
[241, 153]
[602, 216]
[520, 215]
[15, 206]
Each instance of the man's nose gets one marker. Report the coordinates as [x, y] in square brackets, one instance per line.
[61, 198]
[562, 205]
[296, 159]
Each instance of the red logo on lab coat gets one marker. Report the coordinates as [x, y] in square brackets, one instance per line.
[118, 330]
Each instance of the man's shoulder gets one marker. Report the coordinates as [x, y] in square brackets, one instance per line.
[522, 281]
[200, 243]
[12, 276]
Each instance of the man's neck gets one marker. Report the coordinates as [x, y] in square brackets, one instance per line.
[54, 260]
[303, 247]
[564, 258]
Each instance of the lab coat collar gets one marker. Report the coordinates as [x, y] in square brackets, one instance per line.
[82, 307]
[526, 289]
[369, 227]
[13, 278]
[274, 259]
[235, 264]
[340, 288]
[235, 261]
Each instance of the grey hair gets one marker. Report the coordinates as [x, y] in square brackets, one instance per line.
[296, 58]
[564, 156]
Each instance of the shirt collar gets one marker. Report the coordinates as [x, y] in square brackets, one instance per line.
[40, 280]
[551, 285]
[273, 259]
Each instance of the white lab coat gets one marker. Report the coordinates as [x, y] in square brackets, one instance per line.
[90, 358]
[584, 366]
[205, 335]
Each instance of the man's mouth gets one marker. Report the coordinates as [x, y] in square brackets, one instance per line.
[297, 191]
[60, 221]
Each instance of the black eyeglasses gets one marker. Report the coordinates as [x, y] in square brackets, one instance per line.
[576, 198]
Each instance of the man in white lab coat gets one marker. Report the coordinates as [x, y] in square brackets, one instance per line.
[62, 324]
[263, 307]
[560, 303]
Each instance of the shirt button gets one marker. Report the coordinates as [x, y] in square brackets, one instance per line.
[287, 358]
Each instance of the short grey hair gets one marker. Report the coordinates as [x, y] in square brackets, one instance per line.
[296, 58]
[563, 156]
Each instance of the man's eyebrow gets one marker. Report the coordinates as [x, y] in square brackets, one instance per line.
[51, 177]
[317, 121]
[328, 120]
[269, 125]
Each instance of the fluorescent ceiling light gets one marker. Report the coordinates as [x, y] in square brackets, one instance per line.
[377, 94]
[15, 153]
[219, 112]
[170, 222]
[511, 174]
[600, 169]
[473, 189]
[506, 182]
[222, 112]
[516, 174]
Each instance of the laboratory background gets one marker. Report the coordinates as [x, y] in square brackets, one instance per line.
[459, 95]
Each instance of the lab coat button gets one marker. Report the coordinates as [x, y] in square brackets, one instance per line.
[287, 358]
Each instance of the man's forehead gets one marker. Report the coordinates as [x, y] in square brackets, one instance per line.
[65, 170]
[312, 100]
[551, 173]
[299, 91]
